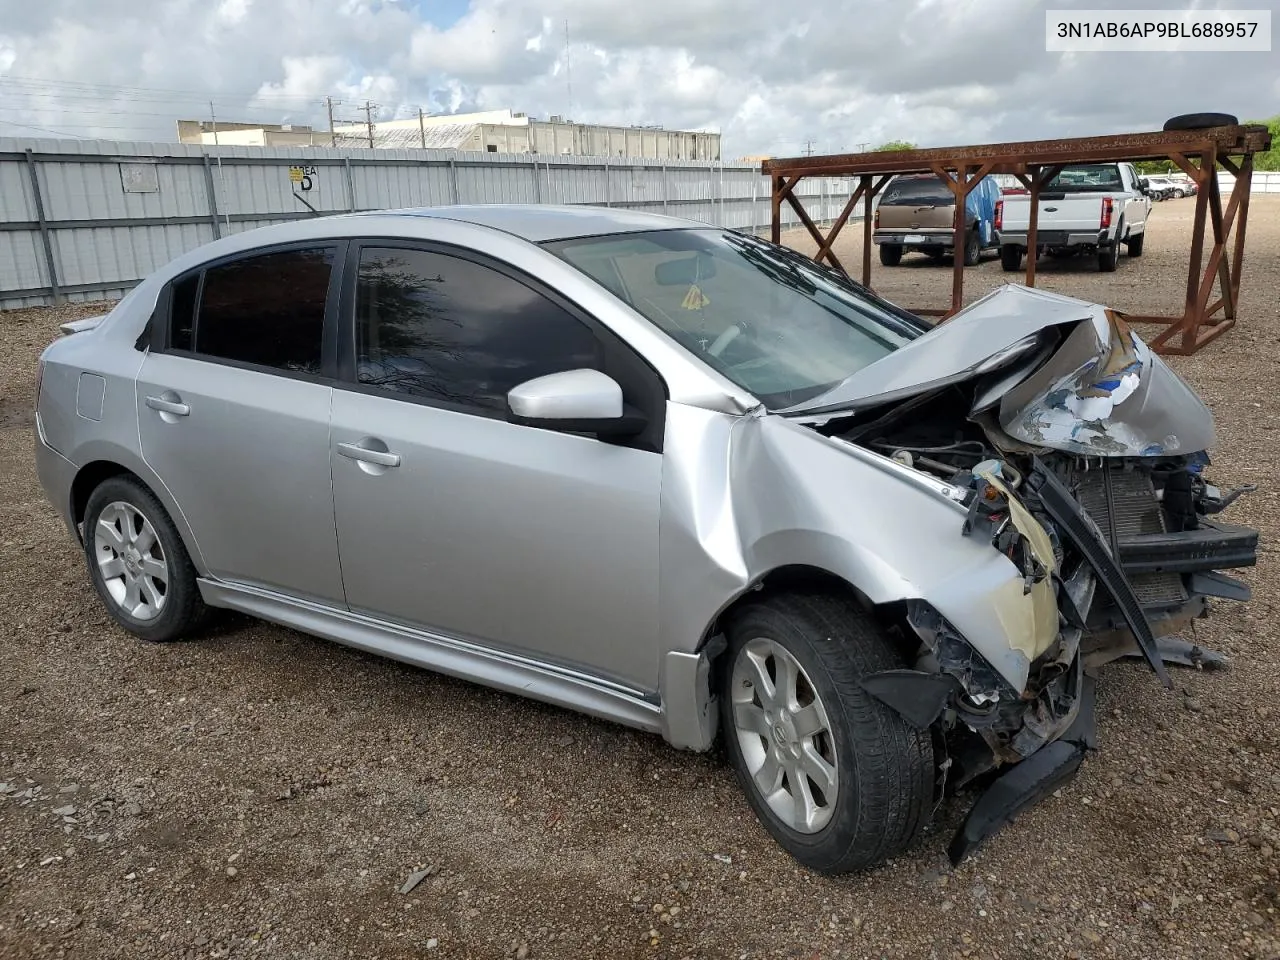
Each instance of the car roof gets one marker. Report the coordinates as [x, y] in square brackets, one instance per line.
[538, 222]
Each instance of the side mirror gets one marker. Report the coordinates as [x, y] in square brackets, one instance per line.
[574, 401]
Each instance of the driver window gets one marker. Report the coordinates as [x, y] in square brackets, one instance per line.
[452, 331]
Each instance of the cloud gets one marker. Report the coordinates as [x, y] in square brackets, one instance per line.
[770, 78]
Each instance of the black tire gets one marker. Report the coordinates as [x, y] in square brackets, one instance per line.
[885, 766]
[1011, 258]
[891, 254]
[972, 249]
[182, 610]
[1134, 245]
[1109, 257]
[1198, 121]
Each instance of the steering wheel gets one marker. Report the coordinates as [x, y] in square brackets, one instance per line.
[727, 337]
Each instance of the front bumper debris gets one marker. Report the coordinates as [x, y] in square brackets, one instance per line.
[1027, 783]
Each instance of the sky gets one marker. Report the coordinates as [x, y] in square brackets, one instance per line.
[772, 78]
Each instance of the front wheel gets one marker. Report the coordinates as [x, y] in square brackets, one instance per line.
[840, 780]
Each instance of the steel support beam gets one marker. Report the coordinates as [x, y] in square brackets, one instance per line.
[1035, 163]
[45, 237]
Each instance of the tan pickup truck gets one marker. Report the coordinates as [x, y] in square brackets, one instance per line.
[917, 212]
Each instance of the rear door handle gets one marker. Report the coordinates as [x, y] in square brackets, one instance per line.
[382, 458]
[175, 407]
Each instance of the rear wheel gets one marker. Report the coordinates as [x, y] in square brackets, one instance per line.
[137, 562]
[1010, 257]
[840, 780]
[972, 249]
[890, 254]
[1134, 245]
[1109, 256]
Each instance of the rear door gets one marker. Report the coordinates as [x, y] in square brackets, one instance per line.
[233, 413]
[917, 205]
[452, 519]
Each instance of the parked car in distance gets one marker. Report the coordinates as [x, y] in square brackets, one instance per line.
[1089, 208]
[1159, 188]
[917, 212]
[1183, 185]
[662, 473]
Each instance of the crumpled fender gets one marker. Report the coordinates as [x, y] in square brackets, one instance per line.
[742, 496]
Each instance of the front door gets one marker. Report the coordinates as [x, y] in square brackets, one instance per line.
[234, 417]
[452, 519]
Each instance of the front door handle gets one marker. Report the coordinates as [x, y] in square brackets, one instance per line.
[383, 458]
[164, 405]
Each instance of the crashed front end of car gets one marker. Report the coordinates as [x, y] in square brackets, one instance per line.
[1080, 456]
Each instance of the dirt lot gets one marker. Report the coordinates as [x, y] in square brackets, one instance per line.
[259, 792]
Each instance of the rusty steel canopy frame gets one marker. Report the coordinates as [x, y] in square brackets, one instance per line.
[1198, 153]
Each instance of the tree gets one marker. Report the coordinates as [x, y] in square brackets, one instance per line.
[1146, 167]
[1270, 160]
[895, 145]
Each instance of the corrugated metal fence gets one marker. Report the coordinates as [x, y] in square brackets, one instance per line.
[86, 220]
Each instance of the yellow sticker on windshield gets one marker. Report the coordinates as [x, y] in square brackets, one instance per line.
[695, 299]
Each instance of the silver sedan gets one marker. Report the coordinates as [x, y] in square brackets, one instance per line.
[661, 473]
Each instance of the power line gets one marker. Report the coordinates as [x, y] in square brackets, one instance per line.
[70, 88]
[31, 126]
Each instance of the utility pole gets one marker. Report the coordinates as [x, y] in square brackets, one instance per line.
[222, 177]
[422, 129]
[568, 74]
[368, 119]
[333, 138]
[808, 148]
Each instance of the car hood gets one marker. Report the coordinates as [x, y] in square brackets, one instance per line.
[1101, 392]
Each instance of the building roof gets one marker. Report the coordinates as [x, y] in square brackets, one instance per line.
[537, 222]
[441, 136]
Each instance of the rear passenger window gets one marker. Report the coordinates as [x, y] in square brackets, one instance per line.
[266, 310]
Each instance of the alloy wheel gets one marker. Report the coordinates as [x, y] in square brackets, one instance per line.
[785, 735]
[131, 560]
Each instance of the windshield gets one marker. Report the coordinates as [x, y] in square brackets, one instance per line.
[917, 192]
[769, 319]
[1085, 178]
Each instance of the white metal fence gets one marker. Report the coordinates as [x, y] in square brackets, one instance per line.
[86, 220]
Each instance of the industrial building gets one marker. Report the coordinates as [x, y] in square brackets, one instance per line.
[494, 131]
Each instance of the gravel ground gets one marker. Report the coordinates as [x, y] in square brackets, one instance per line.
[260, 792]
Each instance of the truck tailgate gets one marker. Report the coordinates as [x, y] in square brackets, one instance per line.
[1075, 213]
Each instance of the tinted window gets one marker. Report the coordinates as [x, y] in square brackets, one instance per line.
[1085, 178]
[918, 191]
[182, 312]
[450, 330]
[267, 310]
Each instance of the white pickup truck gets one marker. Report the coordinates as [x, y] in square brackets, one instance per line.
[1087, 208]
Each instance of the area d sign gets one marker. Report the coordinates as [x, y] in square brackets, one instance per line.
[303, 177]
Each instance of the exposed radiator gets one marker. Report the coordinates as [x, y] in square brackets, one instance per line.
[1134, 510]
